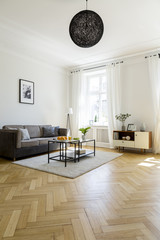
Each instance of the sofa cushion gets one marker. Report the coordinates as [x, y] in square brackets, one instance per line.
[29, 143]
[45, 140]
[24, 134]
[56, 131]
[62, 131]
[48, 131]
[34, 131]
[41, 129]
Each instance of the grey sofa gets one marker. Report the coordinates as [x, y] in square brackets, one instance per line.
[14, 146]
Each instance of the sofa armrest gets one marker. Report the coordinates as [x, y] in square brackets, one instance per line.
[62, 131]
[7, 143]
[7, 134]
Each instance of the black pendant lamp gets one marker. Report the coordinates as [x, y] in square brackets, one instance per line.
[86, 28]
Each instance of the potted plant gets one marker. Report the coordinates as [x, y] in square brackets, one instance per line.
[84, 131]
[122, 117]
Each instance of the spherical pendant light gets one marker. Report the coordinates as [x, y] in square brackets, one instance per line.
[86, 28]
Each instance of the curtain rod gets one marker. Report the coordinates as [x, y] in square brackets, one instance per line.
[117, 62]
[91, 68]
[74, 71]
[85, 69]
[119, 58]
[154, 55]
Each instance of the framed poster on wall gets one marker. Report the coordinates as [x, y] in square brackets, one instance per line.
[26, 91]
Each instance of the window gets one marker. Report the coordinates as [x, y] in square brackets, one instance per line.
[96, 86]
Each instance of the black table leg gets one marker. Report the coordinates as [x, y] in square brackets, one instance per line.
[63, 151]
[48, 152]
[78, 150]
[65, 154]
[75, 152]
[60, 151]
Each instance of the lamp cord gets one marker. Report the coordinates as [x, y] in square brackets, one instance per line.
[86, 4]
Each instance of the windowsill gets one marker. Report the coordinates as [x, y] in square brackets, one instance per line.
[99, 125]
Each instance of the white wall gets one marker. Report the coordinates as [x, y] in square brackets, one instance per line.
[136, 92]
[50, 92]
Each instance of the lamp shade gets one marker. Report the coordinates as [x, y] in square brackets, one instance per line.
[70, 111]
[86, 28]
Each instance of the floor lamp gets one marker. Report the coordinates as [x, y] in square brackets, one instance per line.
[70, 112]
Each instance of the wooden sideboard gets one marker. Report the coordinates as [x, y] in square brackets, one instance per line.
[142, 140]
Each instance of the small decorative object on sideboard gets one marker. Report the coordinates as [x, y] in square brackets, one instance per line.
[128, 138]
[131, 127]
[122, 117]
[143, 127]
[123, 138]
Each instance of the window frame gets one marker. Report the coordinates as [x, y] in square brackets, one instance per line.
[100, 74]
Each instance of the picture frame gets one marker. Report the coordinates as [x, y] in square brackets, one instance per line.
[131, 127]
[26, 91]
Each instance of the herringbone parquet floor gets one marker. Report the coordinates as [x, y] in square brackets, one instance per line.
[119, 200]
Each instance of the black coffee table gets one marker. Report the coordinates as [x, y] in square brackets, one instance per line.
[62, 155]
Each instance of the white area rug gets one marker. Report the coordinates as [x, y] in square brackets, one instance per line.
[72, 170]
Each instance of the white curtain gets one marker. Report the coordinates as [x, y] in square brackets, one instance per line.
[84, 103]
[154, 76]
[75, 91]
[113, 98]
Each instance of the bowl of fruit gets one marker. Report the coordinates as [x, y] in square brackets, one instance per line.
[77, 138]
[62, 138]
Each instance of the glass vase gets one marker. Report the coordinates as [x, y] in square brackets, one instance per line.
[123, 127]
[83, 137]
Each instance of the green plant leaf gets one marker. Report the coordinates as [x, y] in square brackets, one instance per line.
[84, 130]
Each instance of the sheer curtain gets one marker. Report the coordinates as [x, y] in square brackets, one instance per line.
[76, 92]
[79, 102]
[154, 76]
[84, 103]
[113, 97]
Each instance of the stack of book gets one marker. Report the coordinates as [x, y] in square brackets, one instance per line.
[70, 152]
[81, 151]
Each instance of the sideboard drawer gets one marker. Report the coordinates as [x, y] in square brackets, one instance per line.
[123, 143]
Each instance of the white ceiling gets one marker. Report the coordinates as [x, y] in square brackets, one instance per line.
[40, 29]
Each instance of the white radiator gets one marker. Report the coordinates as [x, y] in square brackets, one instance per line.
[100, 134]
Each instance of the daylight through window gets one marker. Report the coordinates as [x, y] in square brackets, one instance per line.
[97, 97]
